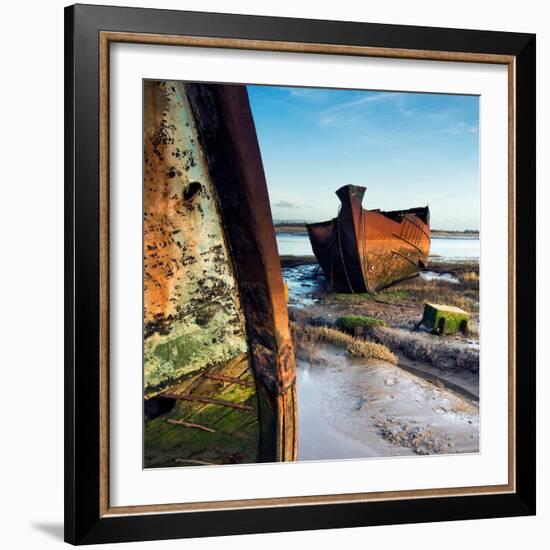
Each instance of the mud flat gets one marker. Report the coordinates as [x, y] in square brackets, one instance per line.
[358, 408]
[399, 307]
[352, 408]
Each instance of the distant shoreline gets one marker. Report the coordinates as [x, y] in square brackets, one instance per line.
[300, 229]
[442, 265]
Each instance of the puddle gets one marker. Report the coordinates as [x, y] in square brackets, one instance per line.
[304, 282]
[434, 276]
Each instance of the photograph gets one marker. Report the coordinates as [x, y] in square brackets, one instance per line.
[358, 338]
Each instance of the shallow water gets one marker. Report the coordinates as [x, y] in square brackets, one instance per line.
[446, 248]
[303, 282]
[306, 281]
[434, 276]
[455, 248]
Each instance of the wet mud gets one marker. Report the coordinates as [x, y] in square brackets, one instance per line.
[427, 404]
[351, 408]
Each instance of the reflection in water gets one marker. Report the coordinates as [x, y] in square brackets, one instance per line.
[304, 281]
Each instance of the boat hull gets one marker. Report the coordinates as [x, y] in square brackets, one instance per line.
[366, 250]
[219, 369]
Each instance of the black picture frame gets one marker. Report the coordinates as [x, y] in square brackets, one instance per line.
[84, 523]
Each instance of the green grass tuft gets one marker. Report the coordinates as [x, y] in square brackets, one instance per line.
[354, 324]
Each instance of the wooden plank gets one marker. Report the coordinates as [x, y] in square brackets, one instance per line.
[185, 424]
[207, 400]
[230, 379]
[204, 386]
[197, 462]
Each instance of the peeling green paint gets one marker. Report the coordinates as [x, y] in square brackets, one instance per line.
[193, 316]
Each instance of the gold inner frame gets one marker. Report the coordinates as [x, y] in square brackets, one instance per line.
[105, 39]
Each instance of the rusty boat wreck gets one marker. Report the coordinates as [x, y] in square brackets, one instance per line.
[366, 250]
[219, 368]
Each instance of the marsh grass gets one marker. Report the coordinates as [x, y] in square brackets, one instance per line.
[470, 276]
[305, 337]
[414, 292]
[342, 298]
[371, 350]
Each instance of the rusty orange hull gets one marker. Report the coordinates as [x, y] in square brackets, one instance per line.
[366, 250]
[219, 366]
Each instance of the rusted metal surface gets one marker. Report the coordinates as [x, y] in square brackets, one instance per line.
[216, 333]
[366, 250]
[230, 145]
[192, 312]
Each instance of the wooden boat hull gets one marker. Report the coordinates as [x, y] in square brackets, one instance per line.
[219, 368]
[366, 250]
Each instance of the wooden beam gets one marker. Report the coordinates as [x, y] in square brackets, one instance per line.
[190, 461]
[208, 400]
[185, 424]
[224, 378]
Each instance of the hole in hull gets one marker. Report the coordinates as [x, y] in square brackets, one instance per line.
[157, 406]
[191, 191]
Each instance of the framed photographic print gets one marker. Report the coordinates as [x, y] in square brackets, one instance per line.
[300, 281]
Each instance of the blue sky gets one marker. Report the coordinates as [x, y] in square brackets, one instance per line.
[407, 149]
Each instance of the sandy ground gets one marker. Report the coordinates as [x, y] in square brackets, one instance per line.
[352, 408]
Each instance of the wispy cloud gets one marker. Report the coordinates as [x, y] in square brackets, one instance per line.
[366, 100]
[327, 120]
[284, 204]
[389, 115]
[310, 95]
[362, 114]
[460, 127]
